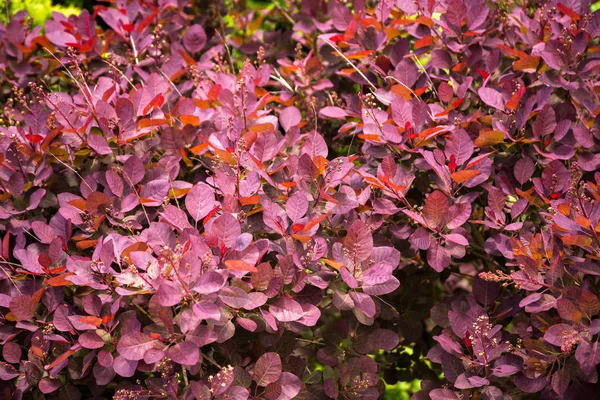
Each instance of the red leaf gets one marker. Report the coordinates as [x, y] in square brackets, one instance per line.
[34, 138]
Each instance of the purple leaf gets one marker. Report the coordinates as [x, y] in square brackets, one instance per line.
[11, 352]
[90, 340]
[436, 209]
[523, 170]
[194, 38]
[169, 294]
[209, 282]
[234, 297]
[289, 117]
[363, 303]
[443, 394]
[492, 98]
[124, 367]
[267, 369]
[359, 241]
[296, 206]
[286, 310]
[134, 345]
[184, 353]
[22, 307]
[200, 201]
[438, 257]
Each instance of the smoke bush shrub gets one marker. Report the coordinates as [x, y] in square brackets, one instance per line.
[207, 200]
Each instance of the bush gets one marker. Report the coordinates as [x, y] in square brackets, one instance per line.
[301, 199]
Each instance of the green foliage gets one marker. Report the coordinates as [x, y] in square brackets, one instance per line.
[39, 10]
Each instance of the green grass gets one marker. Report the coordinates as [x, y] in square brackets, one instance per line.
[39, 10]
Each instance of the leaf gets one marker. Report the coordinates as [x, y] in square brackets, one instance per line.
[296, 206]
[460, 146]
[286, 310]
[22, 307]
[97, 203]
[333, 112]
[289, 117]
[209, 282]
[226, 229]
[267, 369]
[234, 297]
[189, 120]
[184, 353]
[134, 345]
[527, 64]
[523, 169]
[169, 294]
[364, 303]
[577, 240]
[90, 340]
[457, 238]
[200, 201]
[194, 38]
[464, 175]
[359, 241]
[443, 394]
[559, 334]
[239, 265]
[438, 257]
[488, 138]
[436, 209]
[492, 98]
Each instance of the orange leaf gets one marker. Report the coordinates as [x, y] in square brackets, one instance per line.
[488, 138]
[359, 55]
[86, 244]
[302, 238]
[156, 102]
[516, 53]
[577, 240]
[78, 203]
[202, 104]
[259, 128]
[199, 148]
[513, 102]
[333, 264]
[402, 91]
[527, 64]
[464, 175]
[63, 357]
[225, 156]
[329, 198]
[91, 320]
[249, 200]
[146, 122]
[314, 222]
[564, 209]
[425, 20]
[138, 246]
[60, 280]
[189, 120]
[371, 137]
[583, 221]
[239, 265]
[37, 296]
[459, 67]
